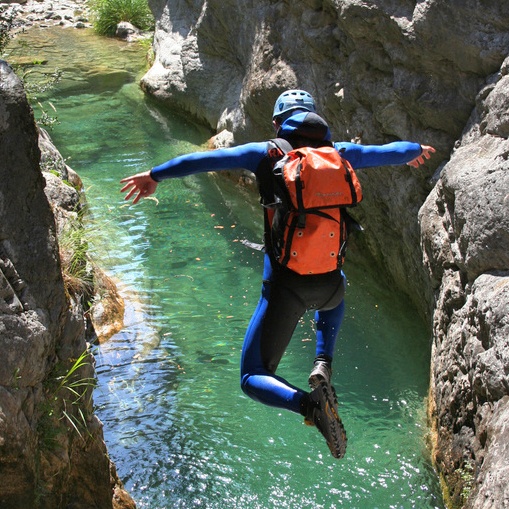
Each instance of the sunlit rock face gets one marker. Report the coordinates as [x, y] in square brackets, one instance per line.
[465, 237]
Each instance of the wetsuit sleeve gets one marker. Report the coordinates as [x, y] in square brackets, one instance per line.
[246, 156]
[365, 156]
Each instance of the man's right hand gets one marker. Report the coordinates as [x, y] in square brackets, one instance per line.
[141, 183]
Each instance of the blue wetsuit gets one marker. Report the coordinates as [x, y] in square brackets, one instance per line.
[285, 296]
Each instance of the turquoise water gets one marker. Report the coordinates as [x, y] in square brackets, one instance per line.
[176, 423]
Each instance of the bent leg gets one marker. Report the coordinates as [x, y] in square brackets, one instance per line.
[267, 337]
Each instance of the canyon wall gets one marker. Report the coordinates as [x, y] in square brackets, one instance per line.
[465, 239]
[52, 452]
[432, 71]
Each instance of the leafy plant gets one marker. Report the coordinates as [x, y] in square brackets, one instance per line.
[467, 476]
[43, 83]
[109, 13]
[46, 119]
[69, 391]
[68, 380]
[79, 387]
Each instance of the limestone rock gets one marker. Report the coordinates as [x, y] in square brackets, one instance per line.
[127, 32]
[465, 237]
[107, 312]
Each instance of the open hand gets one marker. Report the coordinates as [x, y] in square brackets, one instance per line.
[141, 183]
[425, 154]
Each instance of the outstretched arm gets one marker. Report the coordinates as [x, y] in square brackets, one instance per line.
[144, 184]
[425, 154]
[395, 153]
[141, 183]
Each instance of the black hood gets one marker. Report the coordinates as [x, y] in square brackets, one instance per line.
[305, 125]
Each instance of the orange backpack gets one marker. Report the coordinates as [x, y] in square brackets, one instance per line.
[308, 223]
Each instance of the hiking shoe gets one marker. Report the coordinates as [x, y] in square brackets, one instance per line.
[322, 413]
[321, 372]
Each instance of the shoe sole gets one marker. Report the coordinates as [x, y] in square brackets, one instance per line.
[332, 429]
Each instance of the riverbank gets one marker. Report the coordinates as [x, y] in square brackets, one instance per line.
[47, 13]
[66, 14]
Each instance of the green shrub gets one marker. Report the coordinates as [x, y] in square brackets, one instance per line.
[109, 13]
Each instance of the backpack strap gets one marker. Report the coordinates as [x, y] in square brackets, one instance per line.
[349, 179]
[284, 145]
[276, 150]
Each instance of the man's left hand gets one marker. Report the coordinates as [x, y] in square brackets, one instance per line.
[425, 154]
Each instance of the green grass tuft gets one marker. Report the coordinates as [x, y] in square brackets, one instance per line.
[109, 13]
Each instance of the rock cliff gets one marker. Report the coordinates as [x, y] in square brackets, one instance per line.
[52, 453]
[465, 239]
[430, 71]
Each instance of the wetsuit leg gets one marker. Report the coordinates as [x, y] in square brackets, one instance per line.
[328, 324]
[268, 334]
[285, 298]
